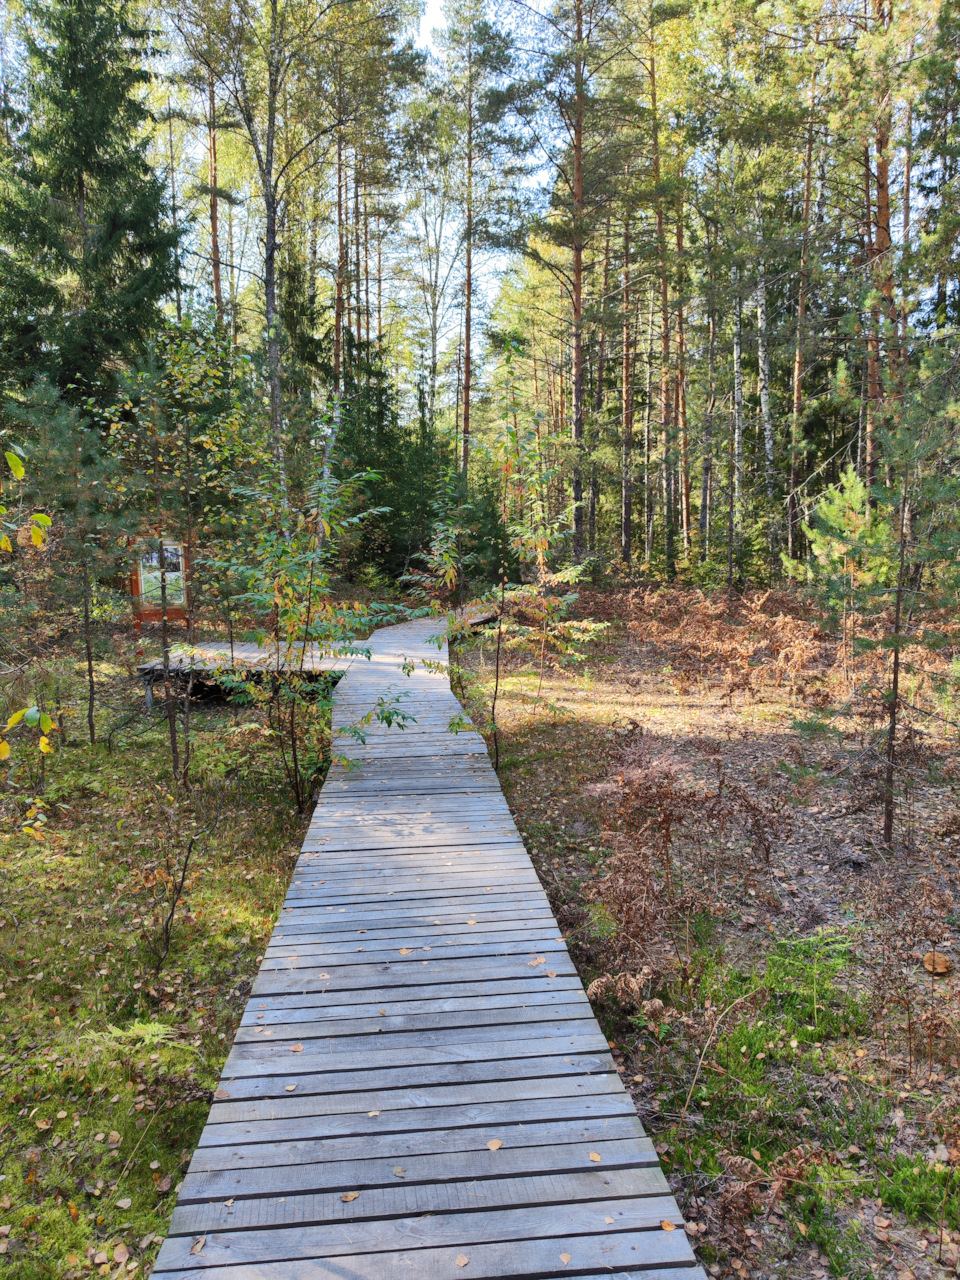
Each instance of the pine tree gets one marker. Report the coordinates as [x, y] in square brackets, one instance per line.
[89, 254]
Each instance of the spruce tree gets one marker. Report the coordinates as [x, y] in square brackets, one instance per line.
[88, 254]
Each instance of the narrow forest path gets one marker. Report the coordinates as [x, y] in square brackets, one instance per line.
[418, 1085]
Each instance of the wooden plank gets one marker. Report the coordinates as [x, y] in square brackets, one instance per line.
[419, 1120]
[288, 1105]
[636, 1252]
[427, 1142]
[433, 1168]
[607, 1217]
[400, 1200]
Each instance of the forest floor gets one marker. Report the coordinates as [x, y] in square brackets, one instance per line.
[108, 1053]
[703, 801]
[708, 830]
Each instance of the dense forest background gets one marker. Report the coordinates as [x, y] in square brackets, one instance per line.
[667, 289]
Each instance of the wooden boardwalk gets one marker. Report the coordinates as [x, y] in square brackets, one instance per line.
[418, 1087]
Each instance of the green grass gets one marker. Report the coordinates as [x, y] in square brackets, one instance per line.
[106, 1065]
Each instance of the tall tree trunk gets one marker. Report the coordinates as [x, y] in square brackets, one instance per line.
[737, 414]
[214, 201]
[626, 412]
[173, 211]
[579, 93]
[706, 483]
[665, 395]
[468, 281]
[681, 401]
[341, 273]
[793, 504]
[763, 357]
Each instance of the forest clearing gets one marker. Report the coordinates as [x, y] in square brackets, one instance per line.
[479, 480]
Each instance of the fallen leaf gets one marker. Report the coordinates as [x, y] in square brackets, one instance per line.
[228, 1204]
[121, 1253]
[936, 962]
[348, 1196]
[197, 1246]
[537, 960]
[801, 1227]
[565, 1258]
[551, 974]
[289, 1088]
[373, 1113]
[165, 1184]
[43, 1124]
[124, 1204]
[461, 1259]
[405, 951]
[221, 1093]
[667, 1225]
[74, 1212]
[61, 1115]
[608, 1220]
[113, 1138]
[296, 1048]
[146, 1242]
[882, 1223]
[100, 1258]
[99, 1137]
[494, 1144]
[595, 1157]
[154, 1164]
[399, 1171]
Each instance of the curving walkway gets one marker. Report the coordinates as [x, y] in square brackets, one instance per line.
[419, 1087]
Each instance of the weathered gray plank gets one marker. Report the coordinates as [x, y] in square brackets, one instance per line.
[401, 1199]
[637, 1252]
[427, 1142]
[430, 1169]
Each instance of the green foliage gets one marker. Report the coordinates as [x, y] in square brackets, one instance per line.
[88, 255]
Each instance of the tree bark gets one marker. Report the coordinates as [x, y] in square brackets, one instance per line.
[214, 201]
[626, 412]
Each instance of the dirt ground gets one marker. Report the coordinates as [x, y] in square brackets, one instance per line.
[701, 787]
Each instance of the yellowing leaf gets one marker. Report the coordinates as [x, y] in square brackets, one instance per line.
[5, 543]
[36, 536]
[74, 1212]
[348, 1196]
[494, 1144]
[45, 746]
[15, 465]
[16, 717]
[4, 750]
[596, 1157]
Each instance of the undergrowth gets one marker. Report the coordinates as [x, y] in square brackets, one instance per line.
[109, 1048]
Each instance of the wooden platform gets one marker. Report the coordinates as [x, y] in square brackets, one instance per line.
[207, 657]
[418, 1087]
